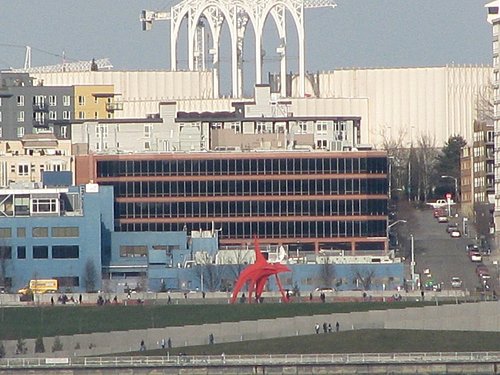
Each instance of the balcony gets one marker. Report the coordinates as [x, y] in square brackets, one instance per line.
[40, 107]
[40, 124]
[114, 106]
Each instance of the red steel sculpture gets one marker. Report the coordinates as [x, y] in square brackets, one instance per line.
[256, 275]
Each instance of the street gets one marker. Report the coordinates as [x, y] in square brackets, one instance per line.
[444, 257]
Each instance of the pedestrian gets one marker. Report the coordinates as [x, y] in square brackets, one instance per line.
[169, 300]
[163, 343]
[310, 297]
[169, 343]
[316, 327]
[325, 327]
[422, 293]
[52, 301]
[330, 327]
[337, 327]
[211, 339]
[142, 347]
[80, 299]
[223, 357]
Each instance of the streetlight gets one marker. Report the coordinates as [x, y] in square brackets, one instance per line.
[456, 185]
[388, 229]
[412, 265]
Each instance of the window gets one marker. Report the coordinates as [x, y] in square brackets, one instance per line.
[40, 252]
[81, 115]
[147, 145]
[66, 115]
[133, 251]
[65, 232]
[20, 101]
[64, 132]
[68, 281]
[23, 169]
[96, 115]
[39, 100]
[52, 100]
[1, 131]
[20, 132]
[0, 102]
[44, 205]
[65, 252]
[53, 115]
[40, 232]
[0, 116]
[66, 100]
[81, 100]
[101, 130]
[148, 129]
[5, 252]
[20, 116]
[5, 232]
[21, 232]
[21, 252]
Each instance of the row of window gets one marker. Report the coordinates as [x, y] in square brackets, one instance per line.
[24, 169]
[42, 252]
[249, 187]
[269, 229]
[58, 232]
[40, 100]
[233, 208]
[220, 167]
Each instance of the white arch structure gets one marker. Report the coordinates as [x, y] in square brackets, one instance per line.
[237, 14]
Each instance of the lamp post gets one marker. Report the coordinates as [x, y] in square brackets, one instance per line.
[456, 185]
[388, 229]
[412, 265]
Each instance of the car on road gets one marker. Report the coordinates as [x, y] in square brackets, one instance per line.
[455, 233]
[471, 247]
[475, 256]
[451, 227]
[481, 268]
[456, 282]
[442, 219]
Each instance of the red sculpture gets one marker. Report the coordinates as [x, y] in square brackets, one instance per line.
[256, 275]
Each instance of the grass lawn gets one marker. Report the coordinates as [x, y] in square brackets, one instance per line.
[362, 341]
[31, 322]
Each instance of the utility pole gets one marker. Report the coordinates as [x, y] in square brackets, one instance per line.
[412, 265]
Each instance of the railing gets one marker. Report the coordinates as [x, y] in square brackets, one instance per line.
[253, 360]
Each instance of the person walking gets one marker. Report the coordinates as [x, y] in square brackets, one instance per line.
[337, 327]
[316, 327]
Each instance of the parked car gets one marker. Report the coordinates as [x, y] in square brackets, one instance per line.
[456, 282]
[475, 256]
[455, 233]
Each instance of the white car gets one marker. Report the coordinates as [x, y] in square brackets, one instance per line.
[456, 282]
[476, 257]
[455, 233]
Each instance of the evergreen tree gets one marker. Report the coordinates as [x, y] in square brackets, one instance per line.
[448, 164]
[57, 345]
[39, 346]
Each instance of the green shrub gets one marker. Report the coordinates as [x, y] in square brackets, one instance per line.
[39, 346]
[57, 346]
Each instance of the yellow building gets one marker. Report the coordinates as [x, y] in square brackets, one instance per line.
[94, 102]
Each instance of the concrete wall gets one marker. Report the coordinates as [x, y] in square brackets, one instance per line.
[483, 316]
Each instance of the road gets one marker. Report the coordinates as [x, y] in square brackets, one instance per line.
[435, 250]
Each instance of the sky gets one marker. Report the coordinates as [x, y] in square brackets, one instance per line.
[357, 33]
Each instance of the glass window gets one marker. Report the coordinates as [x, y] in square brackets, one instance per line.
[65, 232]
[21, 252]
[21, 232]
[5, 232]
[133, 251]
[20, 116]
[40, 252]
[81, 100]
[52, 100]
[65, 252]
[5, 252]
[40, 232]
[66, 100]
[20, 100]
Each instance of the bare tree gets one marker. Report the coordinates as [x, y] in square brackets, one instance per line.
[365, 277]
[210, 273]
[426, 157]
[326, 274]
[90, 276]
[484, 104]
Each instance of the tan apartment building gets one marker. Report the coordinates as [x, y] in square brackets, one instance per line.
[24, 161]
[94, 102]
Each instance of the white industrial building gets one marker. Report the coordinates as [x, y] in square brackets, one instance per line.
[437, 102]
